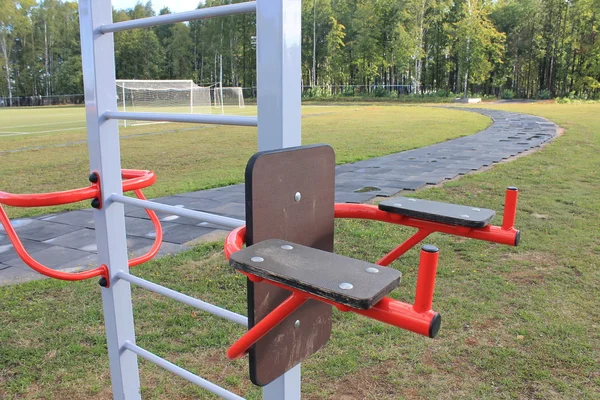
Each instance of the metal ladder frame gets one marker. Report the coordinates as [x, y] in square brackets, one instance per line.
[278, 74]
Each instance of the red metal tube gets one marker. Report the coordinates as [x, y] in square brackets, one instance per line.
[288, 306]
[134, 179]
[137, 179]
[234, 241]
[49, 199]
[426, 279]
[157, 240]
[489, 233]
[510, 208]
[403, 315]
[42, 269]
[404, 247]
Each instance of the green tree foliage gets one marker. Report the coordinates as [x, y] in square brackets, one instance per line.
[529, 48]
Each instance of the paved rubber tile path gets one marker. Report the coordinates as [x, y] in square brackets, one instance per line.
[66, 241]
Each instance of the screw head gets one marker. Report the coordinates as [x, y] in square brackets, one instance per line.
[257, 259]
[287, 247]
[297, 197]
[297, 324]
[346, 286]
[372, 270]
[96, 203]
[465, 216]
[94, 178]
[103, 282]
[475, 209]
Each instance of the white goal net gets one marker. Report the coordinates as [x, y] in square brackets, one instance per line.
[170, 96]
[228, 97]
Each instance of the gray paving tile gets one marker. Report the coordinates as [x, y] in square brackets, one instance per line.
[181, 234]
[56, 257]
[231, 209]
[41, 230]
[7, 251]
[80, 218]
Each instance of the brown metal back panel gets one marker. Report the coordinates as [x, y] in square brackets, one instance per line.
[272, 181]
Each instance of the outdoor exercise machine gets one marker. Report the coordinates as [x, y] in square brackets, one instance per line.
[279, 189]
[294, 279]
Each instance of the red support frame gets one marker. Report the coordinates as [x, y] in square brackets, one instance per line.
[418, 317]
[134, 181]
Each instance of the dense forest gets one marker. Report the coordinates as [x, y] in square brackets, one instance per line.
[521, 48]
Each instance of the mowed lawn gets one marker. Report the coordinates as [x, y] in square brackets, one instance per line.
[518, 323]
[191, 157]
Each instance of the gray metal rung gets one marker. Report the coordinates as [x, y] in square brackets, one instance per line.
[185, 374]
[203, 13]
[185, 299]
[186, 118]
[182, 212]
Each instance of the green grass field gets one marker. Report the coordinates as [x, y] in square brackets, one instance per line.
[189, 157]
[519, 323]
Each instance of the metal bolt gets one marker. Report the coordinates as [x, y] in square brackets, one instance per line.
[465, 216]
[96, 203]
[297, 324]
[412, 199]
[103, 282]
[397, 205]
[475, 209]
[372, 270]
[94, 177]
[287, 247]
[346, 286]
[297, 196]
[257, 259]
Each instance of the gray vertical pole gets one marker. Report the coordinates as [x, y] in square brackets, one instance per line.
[278, 30]
[103, 140]
[278, 26]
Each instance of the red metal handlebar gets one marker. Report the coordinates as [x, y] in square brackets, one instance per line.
[134, 181]
[42, 269]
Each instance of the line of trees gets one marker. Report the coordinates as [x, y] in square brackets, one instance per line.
[525, 48]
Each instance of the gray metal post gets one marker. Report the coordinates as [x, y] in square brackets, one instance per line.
[103, 140]
[278, 56]
[278, 59]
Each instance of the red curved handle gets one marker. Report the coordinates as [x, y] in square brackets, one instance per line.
[42, 269]
[234, 241]
[157, 240]
[134, 179]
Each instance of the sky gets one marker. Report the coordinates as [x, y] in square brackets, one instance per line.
[174, 6]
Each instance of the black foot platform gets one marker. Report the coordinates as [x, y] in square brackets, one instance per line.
[354, 283]
[435, 211]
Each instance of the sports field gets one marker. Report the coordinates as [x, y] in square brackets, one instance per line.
[45, 149]
[519, 322]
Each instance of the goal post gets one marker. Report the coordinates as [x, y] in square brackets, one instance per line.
[170, 96]
[228, 97]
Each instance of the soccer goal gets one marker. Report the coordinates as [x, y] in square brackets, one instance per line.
[171, 96]
[228, 97]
